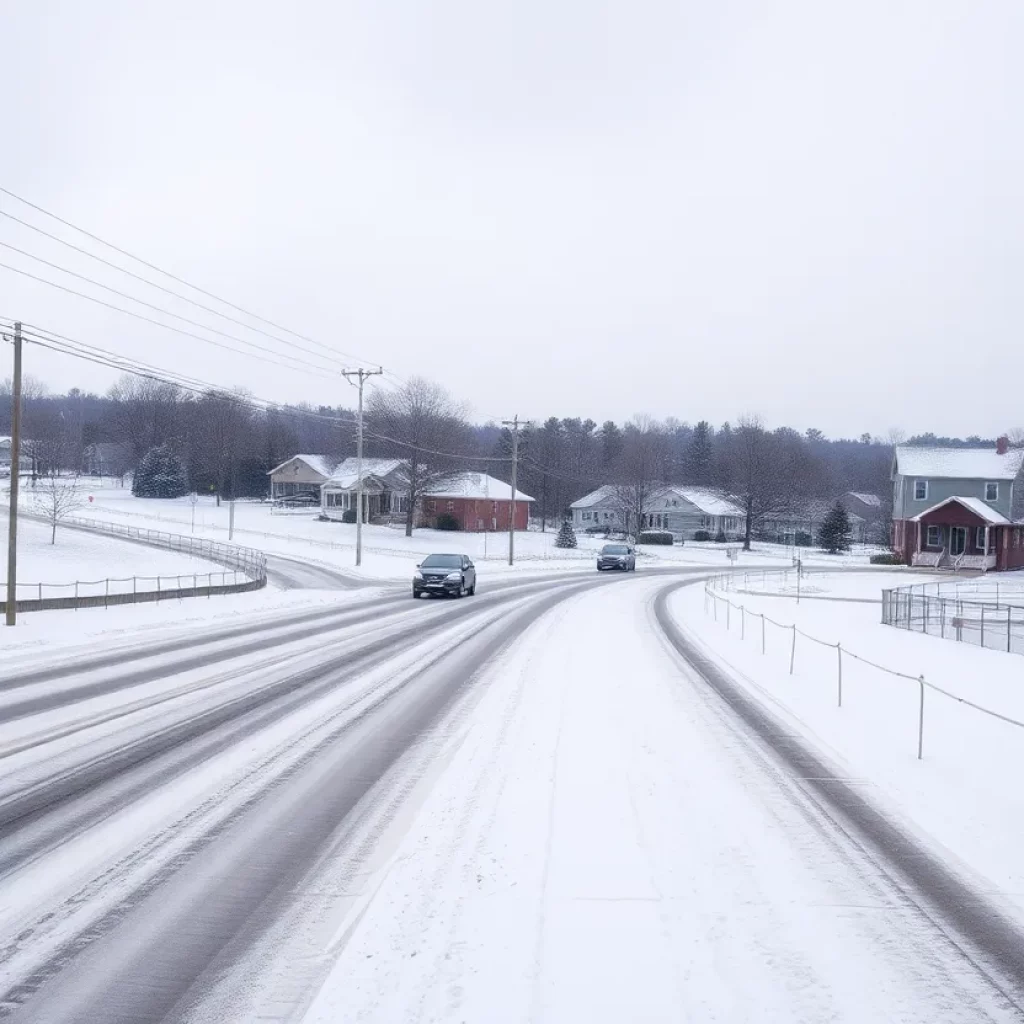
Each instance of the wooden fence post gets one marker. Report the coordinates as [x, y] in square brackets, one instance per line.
[920, 721]
[839, 652]
[792, 653]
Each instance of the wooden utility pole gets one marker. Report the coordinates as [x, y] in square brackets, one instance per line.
[514, 425]
[360, 379]
[12, 520]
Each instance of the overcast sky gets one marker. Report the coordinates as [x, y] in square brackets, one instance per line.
[808, 210]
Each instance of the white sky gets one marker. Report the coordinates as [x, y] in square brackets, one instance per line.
[808, 210]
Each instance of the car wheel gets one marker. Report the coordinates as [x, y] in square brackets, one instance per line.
[415, 593]
[472, 590]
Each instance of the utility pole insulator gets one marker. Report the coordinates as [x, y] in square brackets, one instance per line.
[357, 378]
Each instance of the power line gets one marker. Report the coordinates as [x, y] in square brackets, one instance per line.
[167, 327]
[152, 284]
[180, 280]
[160, 309]
[65, 345]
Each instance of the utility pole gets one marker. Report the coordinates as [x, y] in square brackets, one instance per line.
[514, 424]
[12, 519]
[360, 379]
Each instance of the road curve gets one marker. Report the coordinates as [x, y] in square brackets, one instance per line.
[167, 811]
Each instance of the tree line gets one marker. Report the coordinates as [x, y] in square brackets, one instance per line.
[226, 444]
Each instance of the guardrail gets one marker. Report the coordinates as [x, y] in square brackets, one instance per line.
[245, 569]
[713, 600]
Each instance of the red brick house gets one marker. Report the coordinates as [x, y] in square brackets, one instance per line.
[479, 502]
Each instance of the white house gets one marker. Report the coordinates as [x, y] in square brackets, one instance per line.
[681, 510]
[301, 474]
[600, 508]
[385, 489]
[686, 511]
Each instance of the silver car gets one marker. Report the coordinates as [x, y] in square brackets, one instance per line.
[617, 556]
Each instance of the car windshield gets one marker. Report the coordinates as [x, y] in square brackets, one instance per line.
[442, 562]
[615, 549]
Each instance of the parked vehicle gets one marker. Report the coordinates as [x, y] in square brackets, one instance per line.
[448, 575]
[617, 556]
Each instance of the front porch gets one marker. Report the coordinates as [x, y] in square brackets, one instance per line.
[959, 533]
[380, 503]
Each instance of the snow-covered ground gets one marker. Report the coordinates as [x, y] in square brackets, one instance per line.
[90, 559]
[389, 555]
[965, 793]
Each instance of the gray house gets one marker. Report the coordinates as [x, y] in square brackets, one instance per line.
[686, 511]
[951, 506]
[5, 456]
[600, 508]
[301, 474]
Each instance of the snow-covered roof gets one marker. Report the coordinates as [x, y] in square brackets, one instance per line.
[474, 486]
[318, 463]
[346, 475]
[868, 499]
[710, 503]
[594, 497]
[958, 463]
[975, 505]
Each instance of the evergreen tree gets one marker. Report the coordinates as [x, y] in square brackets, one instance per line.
[566, 535]
[835, 532]
[611, 444]
[160, 474]
[698, 459]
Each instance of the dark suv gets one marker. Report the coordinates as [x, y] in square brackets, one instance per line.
[617, 556]
[451, 575]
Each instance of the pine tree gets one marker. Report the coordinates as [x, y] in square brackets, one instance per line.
[160, 474]
[566, 535]
[835, 532]
[698, 459]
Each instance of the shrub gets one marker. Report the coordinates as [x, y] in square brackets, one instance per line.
[702, 535]
[720, 537]
[656, 537]
[160, 474]
[446, 521]
[889, 558]
[566, 536]
[803, 540]
[348, 516]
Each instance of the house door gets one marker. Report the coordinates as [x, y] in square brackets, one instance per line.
[957, 540]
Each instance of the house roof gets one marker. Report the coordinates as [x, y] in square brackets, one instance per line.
[318, 463]
[474, 486]
[594, 497]
[346, 475]
[958, 463]
[709, 502]
[867, 499]
[975, 505]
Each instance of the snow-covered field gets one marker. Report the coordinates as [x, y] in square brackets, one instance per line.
[90, 559]
[965, 793]
[389, 555]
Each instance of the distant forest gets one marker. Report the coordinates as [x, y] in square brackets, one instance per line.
[227, 443]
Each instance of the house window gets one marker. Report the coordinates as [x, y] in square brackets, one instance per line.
[450, 507]
[920, 490]
[494, 508]
[991, 492]
[607, 516]
[586, 517]
[934, 539]
[979, 540]
[431, 507]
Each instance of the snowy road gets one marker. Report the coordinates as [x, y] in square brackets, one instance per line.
[523, 806]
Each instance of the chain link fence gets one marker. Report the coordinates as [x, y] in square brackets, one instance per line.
[987, 615]
[739, 618]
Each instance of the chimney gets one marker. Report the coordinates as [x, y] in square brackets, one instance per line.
[1002, 445]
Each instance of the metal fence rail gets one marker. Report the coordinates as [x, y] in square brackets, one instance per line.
[731, 611]
[996, 624]
[245, 569]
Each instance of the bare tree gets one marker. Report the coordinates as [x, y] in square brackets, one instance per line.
[55, 500]
[637, 474]
[421, 425]
[761, 472]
